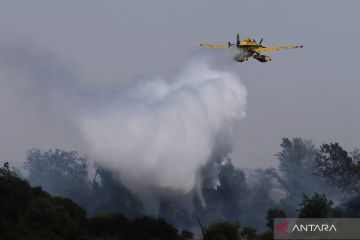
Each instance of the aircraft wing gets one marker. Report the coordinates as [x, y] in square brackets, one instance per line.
[272, 49]
[205, 45]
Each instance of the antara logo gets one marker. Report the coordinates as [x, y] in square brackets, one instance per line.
[314, 228]
[284, 228]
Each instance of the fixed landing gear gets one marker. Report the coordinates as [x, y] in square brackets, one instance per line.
[243, 59]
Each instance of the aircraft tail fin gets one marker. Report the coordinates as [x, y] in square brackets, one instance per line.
[238, 39]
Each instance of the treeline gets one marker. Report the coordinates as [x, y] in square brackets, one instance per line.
[307, 175]
[238, 195]
[310, 178]
[31, 213]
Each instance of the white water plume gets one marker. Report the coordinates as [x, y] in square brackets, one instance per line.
[160, 133]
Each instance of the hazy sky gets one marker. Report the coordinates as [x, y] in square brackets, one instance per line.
[311, 92]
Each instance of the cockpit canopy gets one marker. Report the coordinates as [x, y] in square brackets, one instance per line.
[247, 40]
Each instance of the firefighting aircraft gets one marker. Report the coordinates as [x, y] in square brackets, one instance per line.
[249, 48]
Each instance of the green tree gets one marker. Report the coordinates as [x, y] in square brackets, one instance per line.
[62, 173]
[233, 190]
[30, 213]
[110, 224]
[173, 213]
[297, 172]
[223, 230]
[274, 213]
[339, 167]
[5, 171]
[267, 235]
[110, 195]
[297, 161]
[249, 233]
[318, 206]
[349, 209]
[148, 228]
[226, 200]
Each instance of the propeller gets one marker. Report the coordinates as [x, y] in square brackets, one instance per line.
[261, 42]
[231, 44]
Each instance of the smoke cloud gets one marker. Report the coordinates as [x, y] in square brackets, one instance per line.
[160, 133]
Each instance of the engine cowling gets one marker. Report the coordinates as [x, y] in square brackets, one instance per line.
[262, 58]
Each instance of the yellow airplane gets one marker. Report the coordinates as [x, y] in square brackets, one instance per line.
[249, 48]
